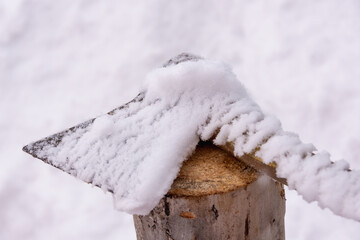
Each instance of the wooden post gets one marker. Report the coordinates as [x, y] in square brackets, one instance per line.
[216, 197]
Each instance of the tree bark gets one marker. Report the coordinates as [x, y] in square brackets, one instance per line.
[216, 197]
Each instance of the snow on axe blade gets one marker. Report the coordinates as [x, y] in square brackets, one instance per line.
[136, 150]
[99, 150]
[54, 140]
[36, 148]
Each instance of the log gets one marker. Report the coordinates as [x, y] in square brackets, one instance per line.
[216, 196]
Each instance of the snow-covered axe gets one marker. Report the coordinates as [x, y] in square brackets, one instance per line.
[194, 157]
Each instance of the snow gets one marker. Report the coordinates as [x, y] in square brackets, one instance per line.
[124, 152]
[314, 176]
[64, 61]
[136, 152]
[196, 79]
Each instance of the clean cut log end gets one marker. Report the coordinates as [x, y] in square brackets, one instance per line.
[216, 197]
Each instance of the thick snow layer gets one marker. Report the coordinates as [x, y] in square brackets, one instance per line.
[136, 152]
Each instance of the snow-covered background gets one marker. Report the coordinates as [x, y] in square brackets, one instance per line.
[63, 62]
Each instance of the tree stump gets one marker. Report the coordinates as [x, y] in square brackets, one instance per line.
[216, 197]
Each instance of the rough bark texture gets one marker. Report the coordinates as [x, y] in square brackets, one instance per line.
[216, 197]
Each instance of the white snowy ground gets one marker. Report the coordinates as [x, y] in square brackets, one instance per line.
[64, 62]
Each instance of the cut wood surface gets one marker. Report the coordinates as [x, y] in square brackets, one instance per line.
[211, 171]
[216, 197]
[255, 162]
